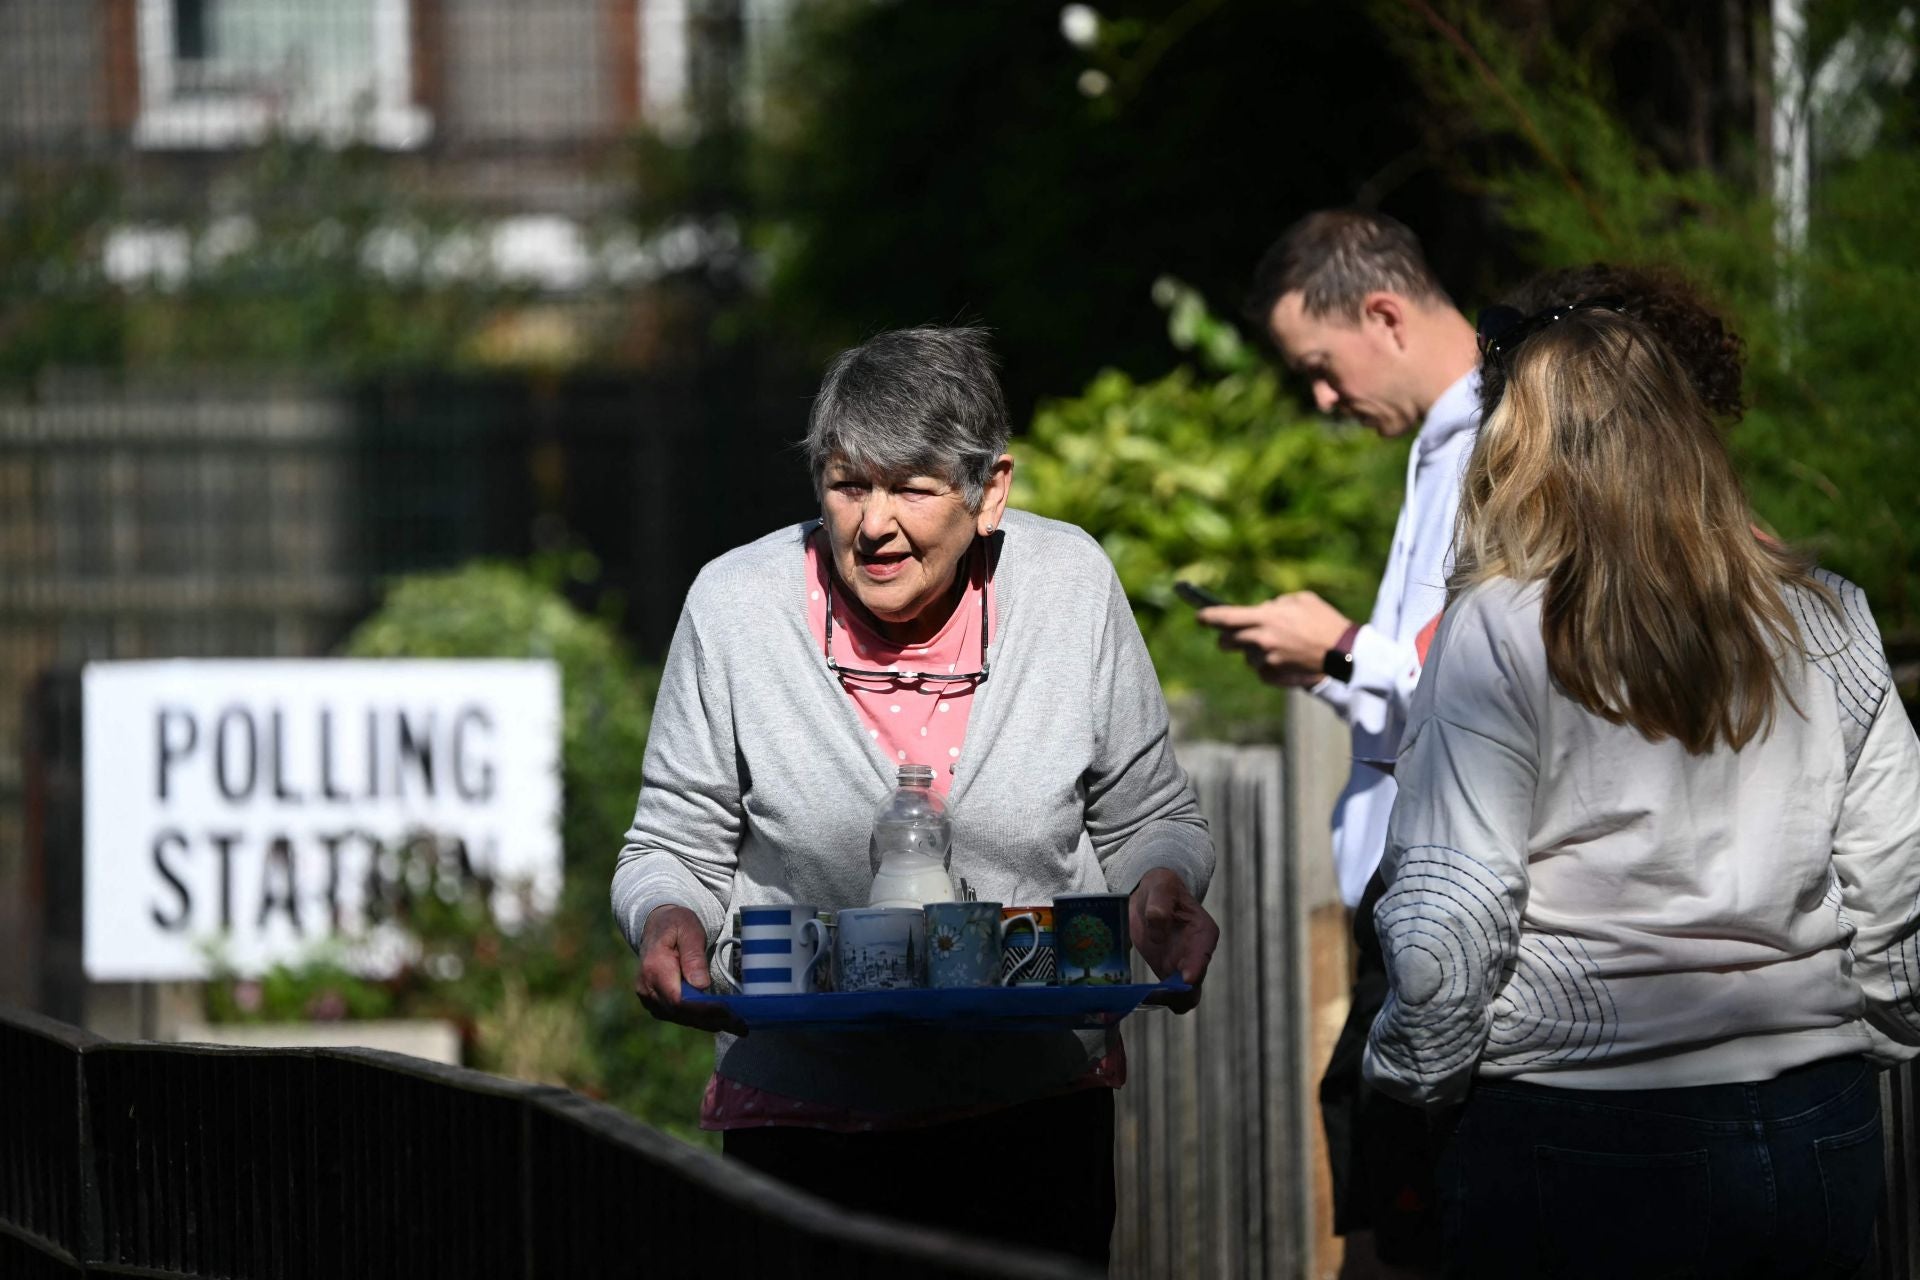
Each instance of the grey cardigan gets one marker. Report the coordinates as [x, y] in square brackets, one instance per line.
[760, 786]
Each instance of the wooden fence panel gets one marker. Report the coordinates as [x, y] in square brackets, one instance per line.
[1211, 1122]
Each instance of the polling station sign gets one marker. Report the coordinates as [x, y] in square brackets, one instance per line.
[268, 806]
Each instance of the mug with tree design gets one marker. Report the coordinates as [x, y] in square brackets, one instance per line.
[1090, 937]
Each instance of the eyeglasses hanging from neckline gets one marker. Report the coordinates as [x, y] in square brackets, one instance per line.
[1501, 329]
[898, 676]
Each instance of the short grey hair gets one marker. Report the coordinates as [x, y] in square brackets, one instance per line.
[922, 402]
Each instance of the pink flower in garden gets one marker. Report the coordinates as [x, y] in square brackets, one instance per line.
[247, 996]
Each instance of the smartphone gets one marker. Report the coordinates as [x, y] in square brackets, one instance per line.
[1198, 597]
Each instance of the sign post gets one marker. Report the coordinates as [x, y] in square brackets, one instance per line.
[259, 808]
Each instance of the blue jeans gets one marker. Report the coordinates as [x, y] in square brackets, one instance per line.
[1779, 1178]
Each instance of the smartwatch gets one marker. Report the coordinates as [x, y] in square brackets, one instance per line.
[1337, 663]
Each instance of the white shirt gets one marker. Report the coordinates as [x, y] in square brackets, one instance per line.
[1385, 664]
[1571, 904]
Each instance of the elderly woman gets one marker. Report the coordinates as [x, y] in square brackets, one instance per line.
[770, 752]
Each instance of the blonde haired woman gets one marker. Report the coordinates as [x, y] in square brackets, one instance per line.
[1653, 871]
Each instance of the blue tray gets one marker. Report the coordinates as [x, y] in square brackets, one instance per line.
[944, 1009]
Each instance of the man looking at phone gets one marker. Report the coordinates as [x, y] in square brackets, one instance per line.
[1353, 308]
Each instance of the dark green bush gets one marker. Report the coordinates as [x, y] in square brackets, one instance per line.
[552, 1001]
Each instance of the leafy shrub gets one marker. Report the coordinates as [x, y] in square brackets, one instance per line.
[921, 162]
[500, 611]
[1213, 474]
[552, 1001]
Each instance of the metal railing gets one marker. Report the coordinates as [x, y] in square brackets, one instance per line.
[187, 1160]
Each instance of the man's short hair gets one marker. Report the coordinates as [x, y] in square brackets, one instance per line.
[1334, 259]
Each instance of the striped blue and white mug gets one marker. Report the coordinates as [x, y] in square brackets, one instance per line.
[782, 947]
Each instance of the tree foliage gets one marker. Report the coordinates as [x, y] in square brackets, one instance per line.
[56, 306]
[299, 256]
[1829, 446]
[926, 163]
[1213, 473]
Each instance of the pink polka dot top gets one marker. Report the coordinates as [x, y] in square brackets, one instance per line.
[919, 723]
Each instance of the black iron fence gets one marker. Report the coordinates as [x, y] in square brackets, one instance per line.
[181, 1160]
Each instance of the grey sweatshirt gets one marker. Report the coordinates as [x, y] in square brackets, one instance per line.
[1573, 905]
[760, 786]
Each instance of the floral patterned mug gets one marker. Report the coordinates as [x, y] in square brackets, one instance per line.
[963, 944]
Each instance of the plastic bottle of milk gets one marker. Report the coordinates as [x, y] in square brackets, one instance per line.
[912, 844]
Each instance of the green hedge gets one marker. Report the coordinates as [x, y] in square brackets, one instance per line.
[554, 1000]
[1214, 474]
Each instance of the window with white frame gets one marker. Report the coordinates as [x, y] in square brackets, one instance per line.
[231, 73]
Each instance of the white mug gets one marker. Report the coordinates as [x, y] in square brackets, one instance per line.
[781, 947]
[880, 949]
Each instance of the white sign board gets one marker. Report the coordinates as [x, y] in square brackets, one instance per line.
[268, 806]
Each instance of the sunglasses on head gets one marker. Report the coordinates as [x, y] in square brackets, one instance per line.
[1501, 329]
